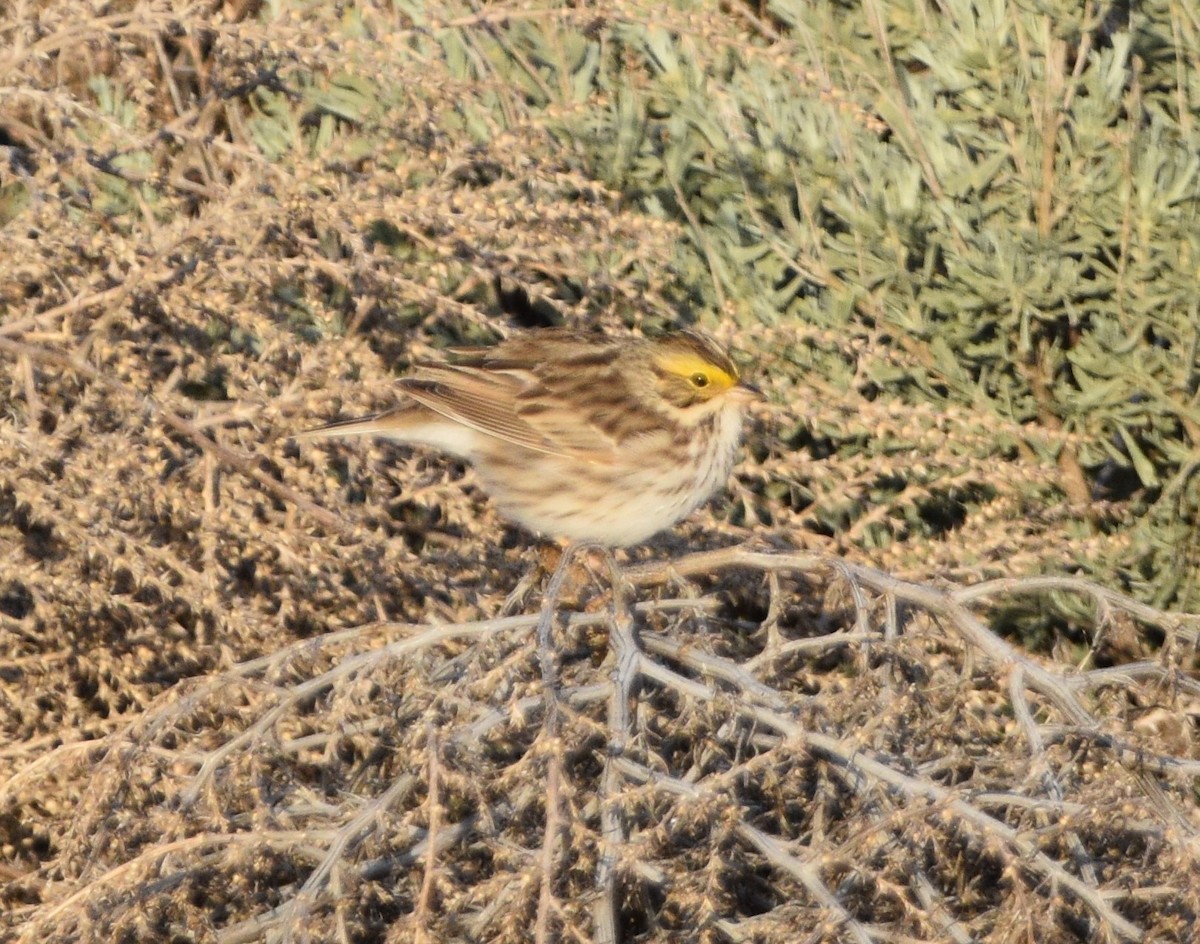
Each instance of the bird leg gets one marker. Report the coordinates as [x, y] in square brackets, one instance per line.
[545, 628]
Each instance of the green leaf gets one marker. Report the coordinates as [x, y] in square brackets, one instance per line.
[14, 200]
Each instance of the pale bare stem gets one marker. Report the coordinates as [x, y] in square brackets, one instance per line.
[1030, 857]
[1187, 625]
[293, 695]
[434, 804]
[1041, 764]
[775, 851]
[710, 666]
[1016, 691]
[1126, 675]
[669, 678]
[327, 741]
[296, 841]
[936, 602]
[191, 695]
[345, 839]
[815, 646]
[552, 739]
[548, 906]
[626, 661]
[520, 593]
[723, 720]
[547, 659]
[891, 623]
[862, 607]
[264, 926]
[341, 907]
[774, 610]
[424, 636]
[969, 815]
[246, 465]
[935, 906]
[869, 770]
[1129, 755]
[449, 835]
[575, 697]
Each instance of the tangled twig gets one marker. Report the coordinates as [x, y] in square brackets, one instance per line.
[666, 740]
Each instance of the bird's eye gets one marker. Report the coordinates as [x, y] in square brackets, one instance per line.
[699, 380]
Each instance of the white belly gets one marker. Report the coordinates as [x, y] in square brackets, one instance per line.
[649, 499]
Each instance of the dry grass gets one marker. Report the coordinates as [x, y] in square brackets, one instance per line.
[252, 692]
[739, 743]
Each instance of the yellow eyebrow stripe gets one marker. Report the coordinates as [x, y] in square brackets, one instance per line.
[685, 364]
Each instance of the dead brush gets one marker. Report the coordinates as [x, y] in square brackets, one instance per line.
[741, 743]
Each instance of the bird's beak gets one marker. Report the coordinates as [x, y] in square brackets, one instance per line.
[748, 393]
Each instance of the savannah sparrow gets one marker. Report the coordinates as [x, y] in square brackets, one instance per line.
[597, 440]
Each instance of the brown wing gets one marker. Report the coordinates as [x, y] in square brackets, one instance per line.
[539, 374]
[532, 351]
[481, 399]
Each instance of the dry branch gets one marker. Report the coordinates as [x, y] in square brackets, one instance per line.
[674, 730]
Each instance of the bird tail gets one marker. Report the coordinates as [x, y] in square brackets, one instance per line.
[375, 424]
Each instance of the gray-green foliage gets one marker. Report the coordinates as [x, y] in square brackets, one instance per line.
[1004, 193]
[988, 204]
